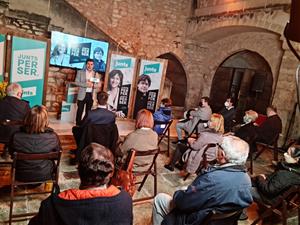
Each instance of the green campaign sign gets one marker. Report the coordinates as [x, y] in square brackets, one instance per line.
[28, 67]
[2, 52]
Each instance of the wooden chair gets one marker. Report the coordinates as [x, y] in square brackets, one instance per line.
[166, 133]
[149, 170]
[55, 157]
[222, 218]
[287, 201]
[272, 145]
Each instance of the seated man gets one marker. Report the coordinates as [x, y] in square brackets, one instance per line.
[223, 187]
[270, 128]
[228, 112]
[101, 115]
[202, 114]
[95, 202]
[269, 187]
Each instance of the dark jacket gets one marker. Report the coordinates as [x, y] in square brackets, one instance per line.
[34, 143]
[163, 114]
[247, 133]
[269, 130]
[115, 210]
[141, 100]
[99, 116]
[278, 181]
[229, 116]
[222, 188]
[12, 108]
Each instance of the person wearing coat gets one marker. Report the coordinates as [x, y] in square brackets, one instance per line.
[163, 114]
[193, 152]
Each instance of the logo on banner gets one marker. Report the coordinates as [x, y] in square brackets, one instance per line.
[29, 91]
[151, 68]
[28, 65]
[122, 63]
[66, 108]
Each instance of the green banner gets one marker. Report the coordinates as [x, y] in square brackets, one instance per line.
[28, 67]
[2, 57]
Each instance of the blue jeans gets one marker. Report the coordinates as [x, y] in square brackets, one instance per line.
[162, 205]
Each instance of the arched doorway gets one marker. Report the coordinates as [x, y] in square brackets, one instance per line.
[176, 81]
[246, 76]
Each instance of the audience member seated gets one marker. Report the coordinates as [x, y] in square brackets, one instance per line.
[95, 202]
[201, 114]
[194, 150]
[228, 112]
[225, 186]
[35, 137]
[101, 115]
[163, 114]
[271, 128]
[269, 187]
[246, 131]
[142, 139]
[12, 112]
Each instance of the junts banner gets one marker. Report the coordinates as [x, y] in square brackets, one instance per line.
[28, 67]
[2, 52]
[149, 83]
[119, 83]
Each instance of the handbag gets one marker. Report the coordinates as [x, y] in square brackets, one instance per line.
[124, 177]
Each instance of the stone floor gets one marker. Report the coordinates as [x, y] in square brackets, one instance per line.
[168, 182]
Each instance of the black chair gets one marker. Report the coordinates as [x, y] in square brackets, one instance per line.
[222, 218]
[284, 203]
[272, 145]
[150, 169]
[166, 133]
[53, 156]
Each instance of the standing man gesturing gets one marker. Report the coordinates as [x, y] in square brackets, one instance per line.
[84, 80]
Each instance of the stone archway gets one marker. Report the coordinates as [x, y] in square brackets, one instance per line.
[176, 81]
[247, 77]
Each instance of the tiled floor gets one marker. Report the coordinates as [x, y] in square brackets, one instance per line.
[168, 182]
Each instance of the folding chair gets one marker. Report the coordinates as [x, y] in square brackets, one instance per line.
[281, 206]
[55, 157]
[150, 170]
[204, 163]
[166, 133]
[272, 146]
[222, 218]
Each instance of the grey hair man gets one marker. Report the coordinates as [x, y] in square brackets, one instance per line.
[216, 188]
[12, 107]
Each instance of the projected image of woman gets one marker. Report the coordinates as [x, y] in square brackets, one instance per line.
[114, 84]
[59, 56]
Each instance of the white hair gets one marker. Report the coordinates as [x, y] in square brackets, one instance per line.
[13, 89]
[236, 150]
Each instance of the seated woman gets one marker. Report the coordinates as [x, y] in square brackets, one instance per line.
[142, 139]
[213, 134]
[163, 114]
[269, 187]
[35, 137]
[95, 202]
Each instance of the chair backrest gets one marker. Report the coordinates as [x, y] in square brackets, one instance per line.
[54, 156]
[166, 130]
[222, 218]
[8, 128]
[152, 152]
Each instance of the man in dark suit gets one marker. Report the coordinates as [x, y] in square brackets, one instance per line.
[101, 115]
[12, 113]
[12, 107]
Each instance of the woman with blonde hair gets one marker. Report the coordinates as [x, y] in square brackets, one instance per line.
[193, 152]
[142, 139]
[35, 137]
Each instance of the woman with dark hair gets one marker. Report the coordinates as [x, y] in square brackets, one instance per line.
[35, 137]
[143, 84]
[114, 84]
[95, 202]
[142, 139]
[99, 64]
